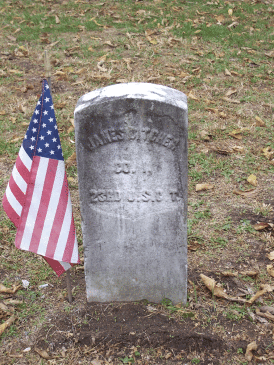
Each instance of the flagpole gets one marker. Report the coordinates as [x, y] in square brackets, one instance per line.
[48, 77]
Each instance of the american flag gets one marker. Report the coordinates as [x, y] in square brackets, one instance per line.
[37, 198]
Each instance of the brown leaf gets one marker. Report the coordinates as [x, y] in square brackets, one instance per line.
[268, 153]
[264, 314]
[259, 122]
[192, 96]
[252, 179]
[2, 112]
[227, 72]
[271, 255]
[60, 105]
[220, 18]
[238, 149]
[12, 290]
[247, 193]
[6, 324]
[42, 353]
[234, 101]
[270, 270]
[229, 273]
[57, 20]
[71, 160]
[22, 109]
[230, 92]
[200, 187]
[248, 354]
[249, 273]
[14, 140]
[266, 288]
[260, 226]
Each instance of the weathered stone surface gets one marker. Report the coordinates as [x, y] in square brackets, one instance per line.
[131, 144]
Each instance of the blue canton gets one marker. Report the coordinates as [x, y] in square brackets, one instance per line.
[42, 137]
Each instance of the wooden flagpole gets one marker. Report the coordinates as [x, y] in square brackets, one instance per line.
[48, 77]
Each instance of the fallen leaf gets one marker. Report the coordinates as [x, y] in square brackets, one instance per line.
[248, 354]
[14, 140]
[268, 153]
[230, 12]
[229, 273]
[212, 286]
[222, 115]
[230, 92]
[270, 54]
[6, 324]
[22, 108]
[259, 122]
[238, 149]
[264, 314]
[57, 20]
[60, 105]
[42, 353]
[266, 288]
[234, 101]
[183, 74]
[270, 270]
[71, 160]
[200, 187]
[2, 112]
[204, 135]
[220, 18]
[249, 273]
[271, 255]
[252, 179]
[12, 290]
[260, 226]
[227, 72]
[192, 96]
[121, 81]
[246, 193]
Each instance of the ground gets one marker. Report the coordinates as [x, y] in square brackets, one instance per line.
[220, 54]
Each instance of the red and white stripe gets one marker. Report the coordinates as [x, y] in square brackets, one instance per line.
[37, 200]
[15, 194]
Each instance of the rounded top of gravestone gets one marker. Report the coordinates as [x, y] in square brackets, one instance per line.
[133, 90]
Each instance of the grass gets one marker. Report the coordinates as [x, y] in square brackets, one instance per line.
[193, 47]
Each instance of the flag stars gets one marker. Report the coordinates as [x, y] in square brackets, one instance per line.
[58, 147]
[47, 86]
[44, 125]
[34, 130]
[36, 111]
[45, 112]
[46, 100]
[39, 150]
[35, 121]
[52, 152]
[54, 139]
[46, 145]
[55, 127]
[32, 147]
[33, 139]
[39, 102]
[42, 138]
[50, 120]
[49, 132]
[26, 136]
[51, 107]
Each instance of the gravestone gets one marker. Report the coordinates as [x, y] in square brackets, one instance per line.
[131, 145]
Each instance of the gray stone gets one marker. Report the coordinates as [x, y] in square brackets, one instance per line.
[131, 144]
